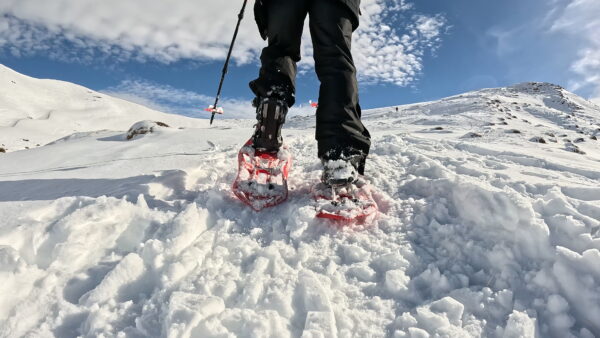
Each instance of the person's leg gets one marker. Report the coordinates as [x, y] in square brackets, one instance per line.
[340, 133]
[278, 60]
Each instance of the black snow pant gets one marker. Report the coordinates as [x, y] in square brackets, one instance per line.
[340, 132]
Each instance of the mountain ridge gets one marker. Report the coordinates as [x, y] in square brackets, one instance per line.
[42, 100]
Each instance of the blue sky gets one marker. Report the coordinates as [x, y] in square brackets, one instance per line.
[170, 56]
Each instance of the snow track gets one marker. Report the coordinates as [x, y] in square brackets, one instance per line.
[491, 236]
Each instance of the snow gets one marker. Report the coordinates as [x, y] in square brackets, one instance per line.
[493, 236]
[340, 169]
[34, 112]
[144, 127]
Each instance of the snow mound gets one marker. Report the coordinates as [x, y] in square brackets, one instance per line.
[491, 236]
[144, 127]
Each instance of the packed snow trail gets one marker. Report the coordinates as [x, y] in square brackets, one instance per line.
[493, 236]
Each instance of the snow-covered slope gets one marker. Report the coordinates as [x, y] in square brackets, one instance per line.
[34, 112]
[482, 232]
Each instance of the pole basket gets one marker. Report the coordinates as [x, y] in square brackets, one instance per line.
[212, 109]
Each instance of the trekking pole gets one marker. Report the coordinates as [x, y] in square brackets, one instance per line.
[213, 109]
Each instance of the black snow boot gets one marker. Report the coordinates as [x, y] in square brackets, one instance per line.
[270, 116]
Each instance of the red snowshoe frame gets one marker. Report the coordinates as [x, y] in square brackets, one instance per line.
[261, 181]
[343, 207]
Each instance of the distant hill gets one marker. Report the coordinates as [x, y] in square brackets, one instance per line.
[35, 112]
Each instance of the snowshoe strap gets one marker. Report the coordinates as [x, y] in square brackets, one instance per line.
[270, 115]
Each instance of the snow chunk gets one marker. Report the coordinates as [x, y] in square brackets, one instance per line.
[578, 277]
[313, 294]
[557, 304]
[9, 259]
[396, 281]
[186, 311]
[319, 324]
[127, 272]
[442, 318]
[520, 325]
[418, 333]
[186, 227]
[451, 307]
[355, 254]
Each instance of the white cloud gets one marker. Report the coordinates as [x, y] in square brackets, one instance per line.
[388, 46]
[161, 30]
[390, 42]
[174, 100]
[394, 54]
[580, 20]
[180, 101]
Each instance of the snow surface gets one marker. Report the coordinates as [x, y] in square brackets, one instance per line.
[482, 231]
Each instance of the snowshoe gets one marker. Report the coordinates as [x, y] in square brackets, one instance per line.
[263, 164]
[347, 203]
[261, 181]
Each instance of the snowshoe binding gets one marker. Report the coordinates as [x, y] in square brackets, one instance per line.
[270, 116]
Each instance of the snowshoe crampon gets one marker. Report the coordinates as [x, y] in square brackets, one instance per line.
[261, 181]
[347, 204]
